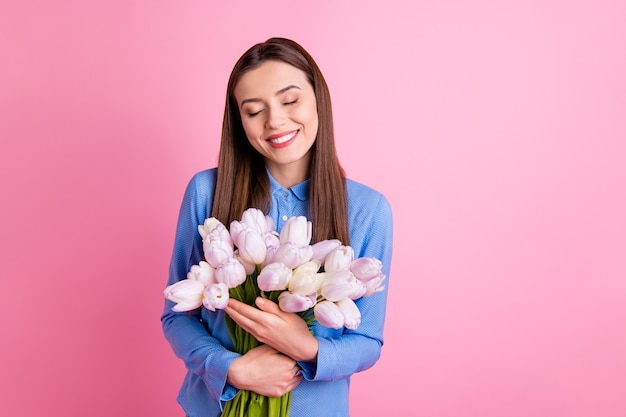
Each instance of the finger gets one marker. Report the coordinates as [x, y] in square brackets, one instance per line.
[268, 305]
[242, 309]
[238, 305]
[241, 319]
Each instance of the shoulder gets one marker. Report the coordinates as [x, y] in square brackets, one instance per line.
[370, 221]
[365, 203]
[204, 178]
[363, 195]
[199, 192]
[203, 182]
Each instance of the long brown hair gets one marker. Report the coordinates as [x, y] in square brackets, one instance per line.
[242, 179]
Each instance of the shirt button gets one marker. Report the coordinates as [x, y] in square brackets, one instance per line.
[284, 218]
[285, 195]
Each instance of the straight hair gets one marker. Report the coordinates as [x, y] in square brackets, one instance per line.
[242, 179]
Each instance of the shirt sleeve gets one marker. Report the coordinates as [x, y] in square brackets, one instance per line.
[342, 353]
[190, 340]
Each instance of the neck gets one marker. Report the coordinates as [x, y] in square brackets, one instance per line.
[287, 175]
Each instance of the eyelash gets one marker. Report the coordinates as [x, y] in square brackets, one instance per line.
[289, 103]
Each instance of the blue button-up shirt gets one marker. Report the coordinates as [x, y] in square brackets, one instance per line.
[202, 341]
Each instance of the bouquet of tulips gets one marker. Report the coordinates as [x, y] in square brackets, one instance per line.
[319, 282]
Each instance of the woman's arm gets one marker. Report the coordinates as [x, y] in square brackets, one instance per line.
[188, 336]
[201, 343]
[344, 352]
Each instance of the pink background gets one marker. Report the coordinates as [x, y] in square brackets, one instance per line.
[496, 129]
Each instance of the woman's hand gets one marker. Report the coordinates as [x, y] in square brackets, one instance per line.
[286, 332]
[265, 371]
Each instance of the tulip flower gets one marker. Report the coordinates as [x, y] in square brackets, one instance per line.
[215, 296]
[249, 267]
[208, 226]
[322, 248]
[297, 230]
[328, 314]
[292, 254]
[217, 251]
[339, 259]
[274, 277]
[251, 246]
[295, 303]
[351, 313]
[340, 284]
[306, 279]
[271, 239]
[231, 272]
[258, 221]
[270, 256]
[202, 272]
[286, 268]
[365, 269]
[373, 285]
[236, 227]
[187, 294]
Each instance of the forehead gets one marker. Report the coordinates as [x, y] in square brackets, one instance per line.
[268, 79]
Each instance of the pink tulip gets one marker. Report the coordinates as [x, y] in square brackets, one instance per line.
[323, 248]
[351, 313]
[328, 315]
[249, 267]
[236, 227]
[340, 284]
[274, 277]
[252, 246]
[269, 256]
[293, 255]
[271, 239]
[216, 296]
[257, 221]
[295, 303]
[217, 251]
[202, 272]
[374, 285]
[231, 272]
[365, 269]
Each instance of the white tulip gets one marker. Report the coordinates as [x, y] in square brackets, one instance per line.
[351, 313]
[339, 259]
[187, 294]
[297, 230]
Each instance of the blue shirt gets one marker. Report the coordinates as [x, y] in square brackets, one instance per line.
[202, 341]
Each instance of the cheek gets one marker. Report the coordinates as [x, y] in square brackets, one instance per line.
[251, 129]
[309, 117]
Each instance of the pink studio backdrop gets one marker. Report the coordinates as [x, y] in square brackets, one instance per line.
[496, 129]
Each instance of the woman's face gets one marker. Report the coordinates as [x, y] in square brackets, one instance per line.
[279, 115]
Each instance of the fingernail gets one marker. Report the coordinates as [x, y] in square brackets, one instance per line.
[260, 301]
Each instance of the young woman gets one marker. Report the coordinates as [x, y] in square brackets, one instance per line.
[277, 154]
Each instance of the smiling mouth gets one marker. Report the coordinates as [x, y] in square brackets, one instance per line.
[277, 140]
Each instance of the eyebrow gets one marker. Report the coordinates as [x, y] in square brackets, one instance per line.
[279, 92]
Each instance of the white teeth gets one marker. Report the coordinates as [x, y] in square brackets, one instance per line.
[283, 139]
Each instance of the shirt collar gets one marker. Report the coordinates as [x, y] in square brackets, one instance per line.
[300, 191]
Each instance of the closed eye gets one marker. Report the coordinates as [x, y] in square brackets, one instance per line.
[289, 103]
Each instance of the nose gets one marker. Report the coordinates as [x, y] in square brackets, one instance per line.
[275, 118]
